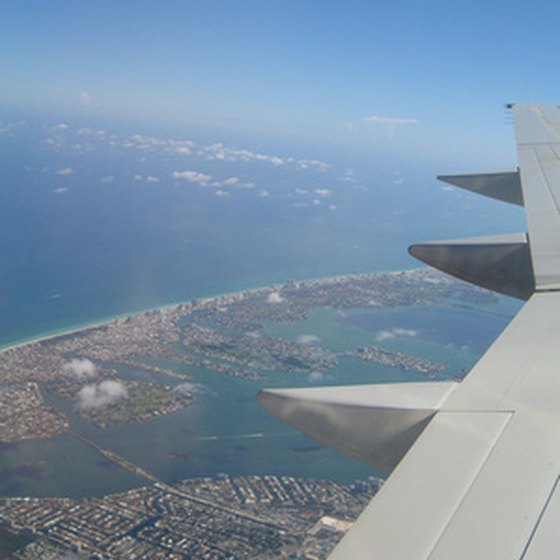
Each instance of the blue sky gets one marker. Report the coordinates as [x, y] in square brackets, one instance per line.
[431, 76]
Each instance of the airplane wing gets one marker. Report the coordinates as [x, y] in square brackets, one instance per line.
[474, 465]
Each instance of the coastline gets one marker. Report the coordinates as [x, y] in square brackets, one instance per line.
[75, 329]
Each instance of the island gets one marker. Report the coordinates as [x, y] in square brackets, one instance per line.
[134, 401]
[400, 360]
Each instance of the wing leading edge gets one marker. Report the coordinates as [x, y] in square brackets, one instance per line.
[480, 459]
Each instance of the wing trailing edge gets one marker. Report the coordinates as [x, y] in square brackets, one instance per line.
[375, 424]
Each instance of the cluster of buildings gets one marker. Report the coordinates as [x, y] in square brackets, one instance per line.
[23, 414]
[400, 360]
[210, 518]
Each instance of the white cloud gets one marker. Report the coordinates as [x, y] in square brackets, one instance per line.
[380, 336]
[322, 192]
[349, 175]
[333, 206]
[274, 297]
[405, 332]
[220, 152]
[301, 191]
[308, 339]
[264, 194]
[85, 98]
[152, 179]
[392, 121]
[81, 369]
[104, 394]
[398, 181]
[86, 131]
[183, 150]
[181, 147]
[192, 177]
[395, 332]
[60, 190]
[222, 193]
[65, 171]
[313, 164]
[316, 377]
[61, 126]
[230, 182]
[108, 179]
[138, 177]
[190, 388]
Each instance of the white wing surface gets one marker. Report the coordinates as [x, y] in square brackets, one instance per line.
[475, 465]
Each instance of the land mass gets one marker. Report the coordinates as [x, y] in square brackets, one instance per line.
[212, 518]
[226, 334]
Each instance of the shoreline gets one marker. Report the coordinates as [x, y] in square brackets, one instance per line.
[75, 329]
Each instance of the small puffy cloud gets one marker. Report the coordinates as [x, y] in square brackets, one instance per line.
[316, 377]
[181, 147]
[308, 339]
[274, 297]
[104, 394]
[108, 179]
[138, 177]
[94, 132]
[315, 202]
[60, 190]
[230, 182]
[380, 336]
[85, 98]
[81, 369]
[152, 179]
[264, 194]
[65, 171]
[61, 126]
[349, 175]
[192, 177]
[313, 164]
[333, 206]
[301, 192]
[322, 192]
[221, 193]
[222, 153]
[392, 121]
[398, 181]
[190, 389]
[395, 333]
[146, 143]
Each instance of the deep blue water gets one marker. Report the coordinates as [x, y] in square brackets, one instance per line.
[76, 249]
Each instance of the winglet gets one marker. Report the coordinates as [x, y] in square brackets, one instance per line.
[501, 263]
[501, 185]
[375, 424]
